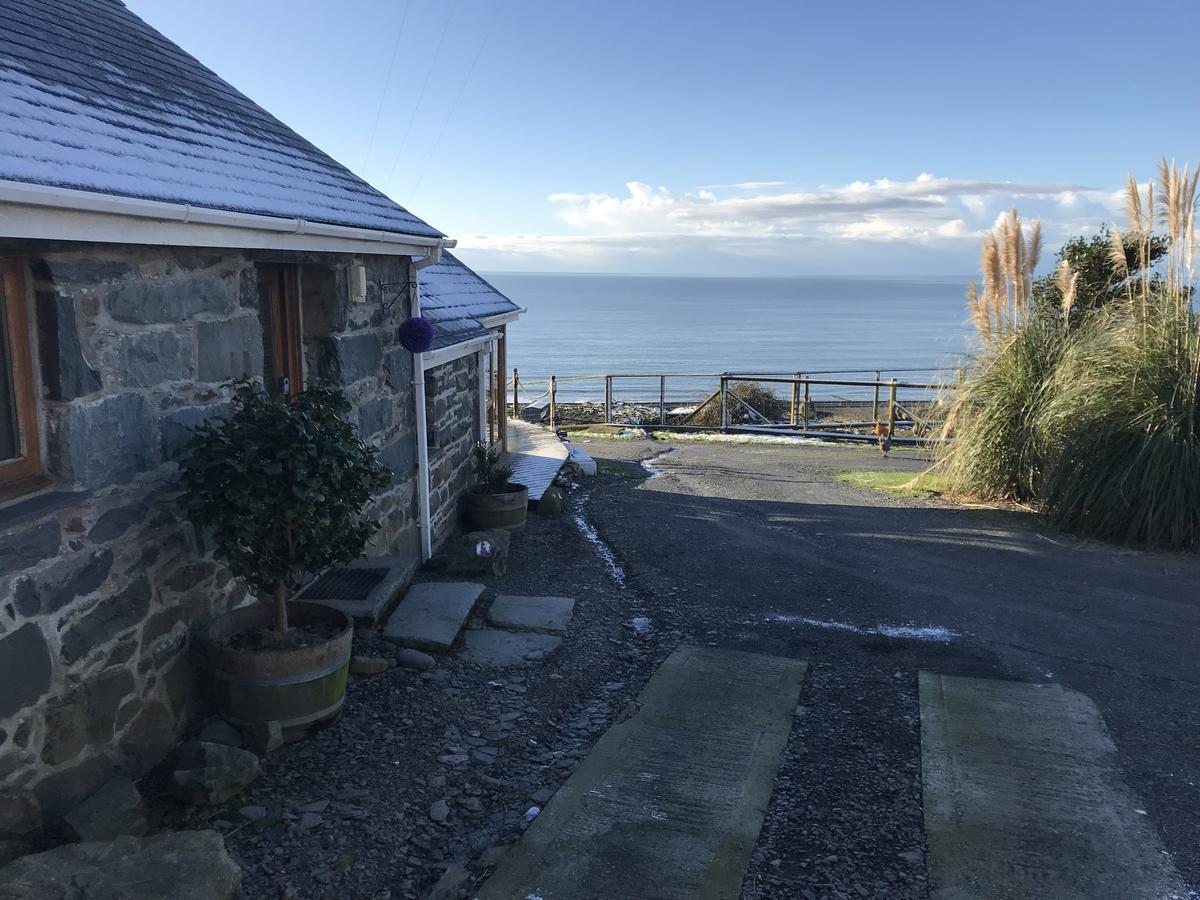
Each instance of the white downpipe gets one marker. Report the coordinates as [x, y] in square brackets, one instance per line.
[481, 376]
[424, 516]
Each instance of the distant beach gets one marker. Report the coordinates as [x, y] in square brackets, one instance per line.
[583, 324]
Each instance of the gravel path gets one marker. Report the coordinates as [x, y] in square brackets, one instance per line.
[428, 777]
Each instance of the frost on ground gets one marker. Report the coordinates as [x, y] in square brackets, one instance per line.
[715, 438]
[652, 470]
[910, 632]
[602, 549]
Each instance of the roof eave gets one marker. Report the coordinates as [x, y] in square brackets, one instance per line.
[500, 318]
[50, 213]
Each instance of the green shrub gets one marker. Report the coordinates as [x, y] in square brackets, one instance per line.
[491, 476]
[282, 486]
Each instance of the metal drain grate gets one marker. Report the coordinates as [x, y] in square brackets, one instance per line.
[345, 584]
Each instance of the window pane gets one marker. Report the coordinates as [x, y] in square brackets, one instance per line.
[10, 442]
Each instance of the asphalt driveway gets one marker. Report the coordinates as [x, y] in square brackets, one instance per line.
[761, 548]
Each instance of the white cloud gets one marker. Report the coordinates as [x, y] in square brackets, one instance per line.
[760, 220]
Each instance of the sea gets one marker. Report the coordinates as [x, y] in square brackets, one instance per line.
[910, 328]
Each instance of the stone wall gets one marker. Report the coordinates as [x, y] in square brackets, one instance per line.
[452, 410]
[101, 582]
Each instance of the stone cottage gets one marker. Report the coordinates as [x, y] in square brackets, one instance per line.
[160, 234]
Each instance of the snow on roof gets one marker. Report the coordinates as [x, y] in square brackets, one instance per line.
[93, 98]
[454, 298]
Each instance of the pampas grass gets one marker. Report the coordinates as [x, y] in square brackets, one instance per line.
[1095, 417]
[994, 450]
[1122, 406]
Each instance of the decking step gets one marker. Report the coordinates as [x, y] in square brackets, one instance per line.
[364, 590]
[431, 614]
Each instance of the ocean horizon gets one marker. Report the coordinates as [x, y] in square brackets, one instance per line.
[592, 324]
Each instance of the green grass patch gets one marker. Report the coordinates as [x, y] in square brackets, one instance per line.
[901, 484]
[608, 468]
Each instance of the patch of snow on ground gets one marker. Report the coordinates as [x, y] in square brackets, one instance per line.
[602, 549]
[909, 632]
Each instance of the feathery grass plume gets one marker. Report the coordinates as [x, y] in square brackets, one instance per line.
[1133, 205]
[1007, 263]
[995, 450]
[1067, 281]
[1176, 211]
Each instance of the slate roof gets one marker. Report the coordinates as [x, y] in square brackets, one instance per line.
[93, 98]
[454, 298]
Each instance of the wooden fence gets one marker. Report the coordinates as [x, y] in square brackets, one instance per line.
[901, 410]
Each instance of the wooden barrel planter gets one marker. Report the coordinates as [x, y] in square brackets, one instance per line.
[506, 510]
[302, 688]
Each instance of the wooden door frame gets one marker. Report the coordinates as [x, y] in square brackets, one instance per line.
[23, 473]
[286, 337]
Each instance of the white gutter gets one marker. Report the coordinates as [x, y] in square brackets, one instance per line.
[433, 358]
[424, 518]
[52, 213]
[500, 318]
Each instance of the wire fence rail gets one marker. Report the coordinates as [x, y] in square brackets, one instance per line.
[809, 404]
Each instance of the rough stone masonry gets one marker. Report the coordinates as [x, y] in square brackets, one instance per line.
[101, 582]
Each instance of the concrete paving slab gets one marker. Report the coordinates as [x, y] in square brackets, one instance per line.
[548, 614]
[431, 614]
[494, 647]
[367, 607]
[1024, 798]
[669, 803]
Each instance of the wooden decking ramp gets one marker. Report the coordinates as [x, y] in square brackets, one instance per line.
[535, 454]
[1024, 798]
[669, 803]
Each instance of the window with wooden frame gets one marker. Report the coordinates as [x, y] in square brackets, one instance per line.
[279, 312]
[20, 450]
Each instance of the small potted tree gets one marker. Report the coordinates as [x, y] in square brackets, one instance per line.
[494, 501]
[281, 486]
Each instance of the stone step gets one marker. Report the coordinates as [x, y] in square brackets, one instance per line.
[431, 614]
[502, 649]
[1024, 797]
[551, 615]
[365, 590]
[668, 804]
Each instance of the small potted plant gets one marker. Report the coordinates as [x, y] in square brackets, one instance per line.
[281, 486]
[495, 502]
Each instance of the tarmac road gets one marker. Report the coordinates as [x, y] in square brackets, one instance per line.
[760, 548]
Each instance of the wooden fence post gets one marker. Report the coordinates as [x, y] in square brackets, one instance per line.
[607, 399]
[516, 385]
[795, 399]
[662, 399]
[806, 404]
[553, 386]
[724, 404]
[875, 402]
[892, 408]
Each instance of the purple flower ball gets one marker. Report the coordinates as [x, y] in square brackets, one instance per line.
[415, 334]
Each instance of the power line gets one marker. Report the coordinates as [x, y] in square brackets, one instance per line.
[461, 89]
[421, 96]
[387, 82]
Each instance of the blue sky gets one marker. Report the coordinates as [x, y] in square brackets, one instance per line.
[715, 138]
